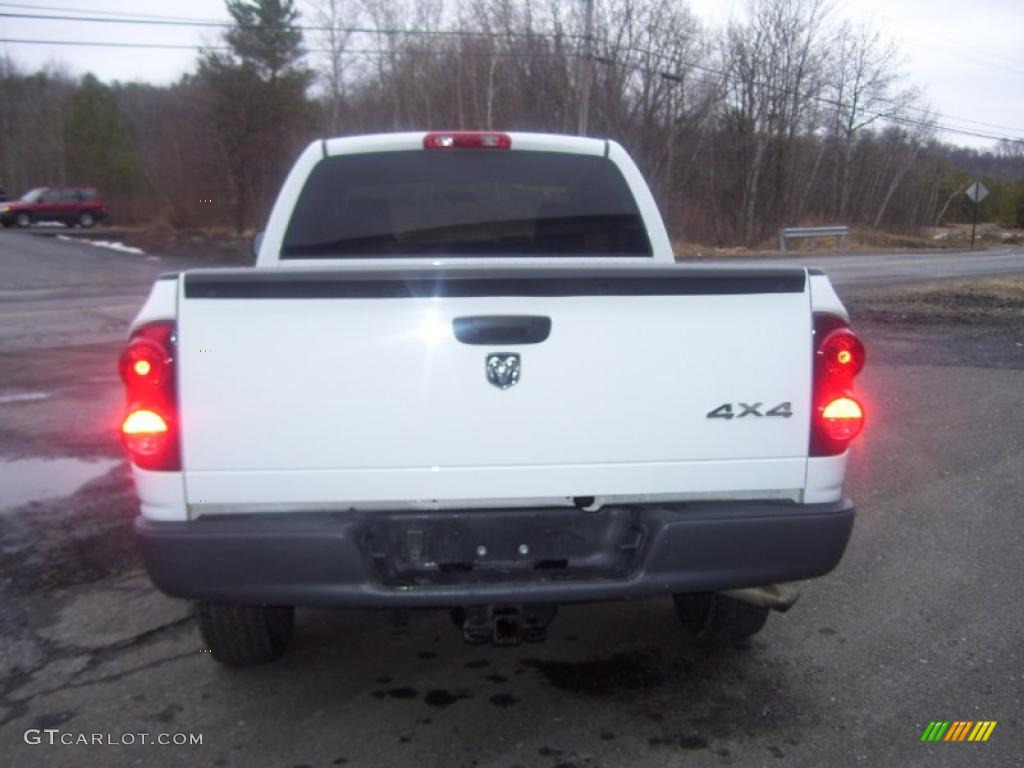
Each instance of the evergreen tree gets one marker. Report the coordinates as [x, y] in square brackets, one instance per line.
[256, 101]
[101, 146]
[265, 36]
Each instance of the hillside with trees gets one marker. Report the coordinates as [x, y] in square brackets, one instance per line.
[789, 115]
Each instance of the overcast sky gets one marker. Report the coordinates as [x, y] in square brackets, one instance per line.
[967, 55]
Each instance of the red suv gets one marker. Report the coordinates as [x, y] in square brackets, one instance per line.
[70, 205]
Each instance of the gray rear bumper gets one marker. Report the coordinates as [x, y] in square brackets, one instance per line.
[425, 559]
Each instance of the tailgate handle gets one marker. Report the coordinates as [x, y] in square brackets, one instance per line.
[502, 329]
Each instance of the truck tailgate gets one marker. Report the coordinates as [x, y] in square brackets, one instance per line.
[349, 387]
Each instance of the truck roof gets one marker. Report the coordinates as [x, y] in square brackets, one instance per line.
[411, 140]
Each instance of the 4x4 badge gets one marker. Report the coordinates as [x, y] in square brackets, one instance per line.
[725, 411]
[503, 369]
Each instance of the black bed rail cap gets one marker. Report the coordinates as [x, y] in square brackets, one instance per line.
[416, 282]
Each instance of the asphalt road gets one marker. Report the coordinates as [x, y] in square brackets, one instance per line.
[921, 621]
[878, 269]
[46, 280]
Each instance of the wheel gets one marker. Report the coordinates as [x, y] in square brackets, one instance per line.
[22, 219]
[718, 620]
[86, 220]
[241, 635]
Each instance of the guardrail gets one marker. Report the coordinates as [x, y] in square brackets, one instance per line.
[838, 232]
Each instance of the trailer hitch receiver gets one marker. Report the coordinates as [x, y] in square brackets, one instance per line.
[504, 624]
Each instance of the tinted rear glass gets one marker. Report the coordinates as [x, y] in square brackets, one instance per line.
[465, 202]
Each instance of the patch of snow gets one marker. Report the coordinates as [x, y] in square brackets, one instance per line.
[19, 398]
[114, 245]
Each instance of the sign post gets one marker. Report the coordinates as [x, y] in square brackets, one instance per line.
[977, 193]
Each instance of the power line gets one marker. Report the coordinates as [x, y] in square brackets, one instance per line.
[918, 29]
[905, 120]
[829, 101]
[995, 60]
[95, 12]
[924, 110]
[346, 52]
[122, 17]
[902, 119]
[212, 24]
[98, 44]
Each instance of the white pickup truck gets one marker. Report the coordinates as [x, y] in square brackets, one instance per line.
[466, 373]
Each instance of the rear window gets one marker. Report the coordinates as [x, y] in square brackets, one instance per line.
[465, 202]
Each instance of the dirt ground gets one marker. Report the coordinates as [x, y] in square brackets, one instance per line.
[218, 246]
[998, 301]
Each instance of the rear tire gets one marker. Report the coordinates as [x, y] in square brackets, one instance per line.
[22, 219]
[718, 620]
[242, 635]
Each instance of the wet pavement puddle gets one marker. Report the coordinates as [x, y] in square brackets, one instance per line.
[25, 480]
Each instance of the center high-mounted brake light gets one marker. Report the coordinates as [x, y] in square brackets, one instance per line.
[839, 356]
[467, 140]
[149, 430]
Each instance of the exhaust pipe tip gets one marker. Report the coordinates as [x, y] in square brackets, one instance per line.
[778, 597]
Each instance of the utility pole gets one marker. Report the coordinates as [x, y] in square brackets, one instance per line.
[587, 68]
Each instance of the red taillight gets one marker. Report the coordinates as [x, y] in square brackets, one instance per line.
[143, 422]
[842, 418]
[144, 363]
[467, 140]
[842, 353]
[144, 433]
[149, 430]
[838, 357]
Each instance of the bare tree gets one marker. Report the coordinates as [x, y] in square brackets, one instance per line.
[908, 144]
[863, 88]
[771, 58]
[337, 18]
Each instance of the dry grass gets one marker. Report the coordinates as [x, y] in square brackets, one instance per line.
[866, 240]
[968, 301]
